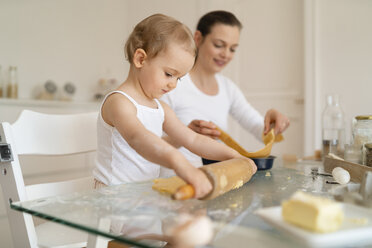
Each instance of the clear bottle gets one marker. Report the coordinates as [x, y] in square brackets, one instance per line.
[333, 127]
[12, 87]
[1, 84]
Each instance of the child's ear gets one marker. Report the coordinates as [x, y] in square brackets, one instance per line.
[139, 57]
[198, 38]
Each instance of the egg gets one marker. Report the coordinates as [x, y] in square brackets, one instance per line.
[341, 175]
[190, 231]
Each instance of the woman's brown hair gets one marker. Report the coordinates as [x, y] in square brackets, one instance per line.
[212, 18]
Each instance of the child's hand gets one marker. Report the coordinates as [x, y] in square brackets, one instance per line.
[201, 183]
[197, 179]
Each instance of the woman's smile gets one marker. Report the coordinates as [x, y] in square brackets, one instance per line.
[220, 62]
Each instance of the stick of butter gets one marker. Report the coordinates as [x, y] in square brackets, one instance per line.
[313, 213]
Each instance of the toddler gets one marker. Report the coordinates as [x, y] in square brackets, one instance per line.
[160, 51]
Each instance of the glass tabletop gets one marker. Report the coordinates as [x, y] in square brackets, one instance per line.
[137, 214]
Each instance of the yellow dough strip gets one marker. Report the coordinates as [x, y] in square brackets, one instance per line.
[268, 139]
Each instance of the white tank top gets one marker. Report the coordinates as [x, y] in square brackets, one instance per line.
[116, 161]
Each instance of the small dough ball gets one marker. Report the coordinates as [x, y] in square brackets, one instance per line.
[341, 175]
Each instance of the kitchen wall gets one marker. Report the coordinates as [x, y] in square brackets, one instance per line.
[77, 41]
[338, 60]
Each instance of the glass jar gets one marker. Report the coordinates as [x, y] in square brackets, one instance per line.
[362, 133]
[368, 157]
[353, 154]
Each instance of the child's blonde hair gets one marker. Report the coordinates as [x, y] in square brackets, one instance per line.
[155, 32]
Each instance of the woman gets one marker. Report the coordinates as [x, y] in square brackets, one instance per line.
[204, 98]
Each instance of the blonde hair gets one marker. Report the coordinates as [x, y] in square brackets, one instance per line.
[154, 33]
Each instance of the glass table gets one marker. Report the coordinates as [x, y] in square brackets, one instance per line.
[137, 213]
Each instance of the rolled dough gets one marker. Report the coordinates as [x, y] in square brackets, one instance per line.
[168, 185]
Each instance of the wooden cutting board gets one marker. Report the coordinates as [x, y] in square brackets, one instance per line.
[356, 170]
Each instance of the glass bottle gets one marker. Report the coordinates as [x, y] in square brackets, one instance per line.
[1, 84]
[12, 88]
[333, 127]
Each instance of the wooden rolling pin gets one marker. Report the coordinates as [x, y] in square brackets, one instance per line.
[224, 176]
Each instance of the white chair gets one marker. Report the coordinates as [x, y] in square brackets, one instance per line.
[43, 134]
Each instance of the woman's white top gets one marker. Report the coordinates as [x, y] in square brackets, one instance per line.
[189, 103]
[117, 162]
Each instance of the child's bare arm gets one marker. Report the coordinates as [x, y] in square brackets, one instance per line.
[196, 143]
[119, 112]
[171, 141]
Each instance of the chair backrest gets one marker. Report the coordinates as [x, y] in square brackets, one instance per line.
[41, 134]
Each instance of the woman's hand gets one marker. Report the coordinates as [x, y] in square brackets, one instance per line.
[204, 127]
[275, 119]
